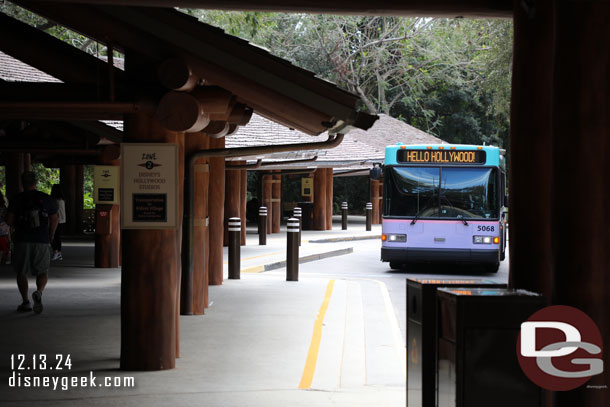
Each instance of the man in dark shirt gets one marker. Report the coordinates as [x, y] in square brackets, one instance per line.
[33, 214]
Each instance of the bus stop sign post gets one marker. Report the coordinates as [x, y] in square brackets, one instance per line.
[292, 250]
[343, 215]
[369, 216]
[262, 226]
[234, 248]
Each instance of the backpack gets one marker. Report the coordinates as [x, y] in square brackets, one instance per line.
[32, 215]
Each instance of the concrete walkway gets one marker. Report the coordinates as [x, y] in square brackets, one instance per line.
[262, 342]
[314, 245]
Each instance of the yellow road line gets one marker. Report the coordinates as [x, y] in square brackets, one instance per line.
[314, 346]
[256, 257]
[254, 269]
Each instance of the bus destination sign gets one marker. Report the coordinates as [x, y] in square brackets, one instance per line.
[441, 156]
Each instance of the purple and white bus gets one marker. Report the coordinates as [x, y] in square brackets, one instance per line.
[443, 203]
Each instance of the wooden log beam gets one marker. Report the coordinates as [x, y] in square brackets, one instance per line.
[53, 56]
[216, 212]
[217, 129]
[181, 111]
[174, 73]
[70, 110]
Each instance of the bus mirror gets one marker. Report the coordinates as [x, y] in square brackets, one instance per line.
[375, 173]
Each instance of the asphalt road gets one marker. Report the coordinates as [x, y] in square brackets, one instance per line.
[364, 264]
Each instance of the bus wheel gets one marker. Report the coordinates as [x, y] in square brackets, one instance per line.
[491, 268]
[395, 266]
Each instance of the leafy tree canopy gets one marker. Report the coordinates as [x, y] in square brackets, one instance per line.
[449, 77]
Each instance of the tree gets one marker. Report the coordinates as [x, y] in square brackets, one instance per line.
[449, 77]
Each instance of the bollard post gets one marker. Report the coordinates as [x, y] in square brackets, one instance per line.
[234, 248]
[369, 216]
[292, 250]
[297, 213]
[262, 226]
[343, 215]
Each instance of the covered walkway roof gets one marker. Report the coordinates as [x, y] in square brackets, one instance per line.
[162, 39]
[358, 150]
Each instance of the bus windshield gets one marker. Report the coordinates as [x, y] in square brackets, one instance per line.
[441, 193]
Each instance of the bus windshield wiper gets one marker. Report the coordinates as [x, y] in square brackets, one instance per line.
[431, 199]
[460, 217]
[417, 215]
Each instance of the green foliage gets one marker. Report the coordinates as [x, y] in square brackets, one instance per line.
[71, 37]
[88, 201]
[449, 77]
[46, 177]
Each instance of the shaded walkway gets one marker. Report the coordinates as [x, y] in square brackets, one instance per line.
[248, 350]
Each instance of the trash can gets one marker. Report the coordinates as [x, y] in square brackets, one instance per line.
[477, 348]
[307, 215]
[422, 334]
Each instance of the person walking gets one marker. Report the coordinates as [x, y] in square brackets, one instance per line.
[33, 215]
[58, 196]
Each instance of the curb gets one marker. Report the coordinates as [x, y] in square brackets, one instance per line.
[345, 239]
[304, 259]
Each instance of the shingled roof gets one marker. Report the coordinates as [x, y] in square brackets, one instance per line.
[359, 148]
[14, 70]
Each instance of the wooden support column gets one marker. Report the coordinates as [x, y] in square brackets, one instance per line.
[108, 247]
[216, 209]
[178, 138]
[319, 203]
[559, 181]
[375, 201]
[530, 150]
[199, 299]
[149, 278]
[277, 203]
[380, 200]
[243, 196]
[329, 199]
[232, 198]
[15, 166]
[267, 199]
[580, 189]
[68, 178]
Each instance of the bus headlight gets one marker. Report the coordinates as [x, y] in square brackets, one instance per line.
[483, 239]
[396, 238]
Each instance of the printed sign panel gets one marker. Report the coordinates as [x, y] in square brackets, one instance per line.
[149, 186]
[106, 184]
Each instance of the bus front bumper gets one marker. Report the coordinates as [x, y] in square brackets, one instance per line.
[408, 254]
